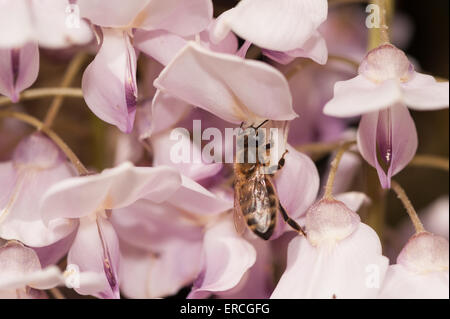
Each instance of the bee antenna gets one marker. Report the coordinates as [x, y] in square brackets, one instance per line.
[264, 122]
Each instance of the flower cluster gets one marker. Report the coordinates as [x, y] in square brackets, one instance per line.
[146, 225]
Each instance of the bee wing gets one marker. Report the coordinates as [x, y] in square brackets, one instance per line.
[239, 221]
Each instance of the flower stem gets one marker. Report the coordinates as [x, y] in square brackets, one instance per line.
[317, 150]
[51, 134]
[380, 35]
[71, 72]
[431, 161]
[408, 206]
[56, 293]
[334, 167]
[42, 93]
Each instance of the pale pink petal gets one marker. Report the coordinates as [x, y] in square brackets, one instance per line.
[162, 147]
[353, 200]
[46, 278]
[392, 133]
[160, 45]
[194, 198]
[278, 56]
[229, 85]
[113, 101]
[421, 270]
[52, 254]
[386, 62]
[424, 253]
[359, 95]
[280, 25]
[227, 257]
[57, 27]
[102, 257]
[16, 26]
[314, 48]
[145, 275]
[16, 262]
[150, 226]
[36, 166]
[423, 92]
[113, 188]
[187, 17]
[353, 268]
[227, 45]
[111, 13]
[297, 185]
[257, 283]
[166, 111]
[19, 69]
[400, 283]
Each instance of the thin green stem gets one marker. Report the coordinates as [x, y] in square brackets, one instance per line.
[408, 206]
[431, 161]
[51, 134]
[32, 94]
[71, 72]
[334, 167]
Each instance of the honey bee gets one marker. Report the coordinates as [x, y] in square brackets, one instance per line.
[256, 203]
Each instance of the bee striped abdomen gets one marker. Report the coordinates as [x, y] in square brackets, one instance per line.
[259, 205]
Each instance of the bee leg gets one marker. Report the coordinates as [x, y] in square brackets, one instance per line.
[290, 221]
[274, 168]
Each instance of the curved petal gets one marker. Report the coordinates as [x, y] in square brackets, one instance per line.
[36, 166]
[58, 25]
[150, 226]
[297, 185]
[52, 254]
[19, 69]
[187, 17]
[353, 200]
[162, 146]
[394, 134]
[423, 92]
[359, 96]
[113, 101]
[147, 276]
[227, 257]
[400, 283]
[160, 45]
[354, 268]
[15, 23]
[102, 257]
[231, 92]
[111, 13]
[16, 263]
[314, 48]
[113, 188]
[167, 111]
[194, 198]
[280, 25]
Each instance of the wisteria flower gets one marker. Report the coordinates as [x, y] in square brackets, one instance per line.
[285, 29]
[421, 270]
[230, 77]
[156, 236]
[21, 275]
[386, 84]
[115, 101]
[340, 258]
[25, 25]
[36, 165]
[90, 199]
